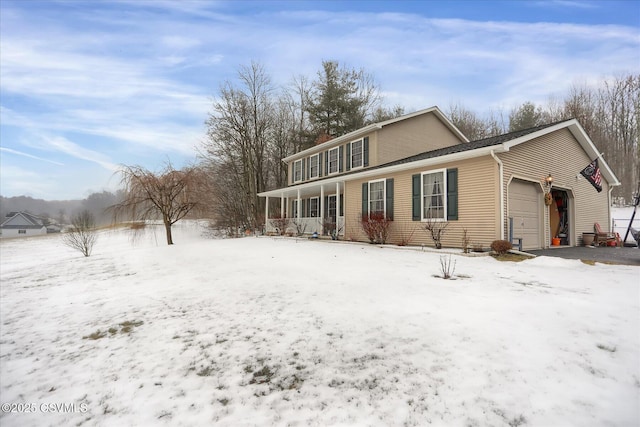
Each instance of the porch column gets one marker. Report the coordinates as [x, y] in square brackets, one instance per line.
[281, 205]
[266, 213]
[299, 213]
[337, 204]
[322, 207]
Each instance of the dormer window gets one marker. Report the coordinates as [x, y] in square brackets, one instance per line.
[357, 157]
[297, 171]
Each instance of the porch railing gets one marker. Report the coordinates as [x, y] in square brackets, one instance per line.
[305, 225]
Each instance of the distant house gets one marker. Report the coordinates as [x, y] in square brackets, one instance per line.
[526, 185]
[22, 224]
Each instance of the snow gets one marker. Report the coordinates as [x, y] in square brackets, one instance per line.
[620, 218]
[283, 331]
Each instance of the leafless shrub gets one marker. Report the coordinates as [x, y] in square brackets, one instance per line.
[300, 226]
[436, 228]
[82, 235]
[466, 241]
[280, 224]
[406, 233]
[376, 226]
[446, 267]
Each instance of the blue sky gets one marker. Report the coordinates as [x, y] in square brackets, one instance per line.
[88, 86]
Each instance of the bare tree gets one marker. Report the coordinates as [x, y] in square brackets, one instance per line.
[239, 129]
[169, 195]
[82, 235]
[472, 125]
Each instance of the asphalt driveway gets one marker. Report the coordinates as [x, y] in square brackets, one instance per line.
[616, 255]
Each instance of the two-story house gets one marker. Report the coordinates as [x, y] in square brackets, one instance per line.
[420, 167]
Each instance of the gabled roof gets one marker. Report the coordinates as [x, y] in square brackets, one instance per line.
[469, 146]
[377, 126]
[31, 221]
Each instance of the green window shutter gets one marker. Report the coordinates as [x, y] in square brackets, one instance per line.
[319, 164]
[348, 157]
[326, 162]
[416, 181]
[365, 151]
[303, 172]
[341, 205]
[340, 158]
[389, 199]
[365, 199]
[452, 194]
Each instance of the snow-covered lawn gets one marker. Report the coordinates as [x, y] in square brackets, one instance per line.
[266, 331]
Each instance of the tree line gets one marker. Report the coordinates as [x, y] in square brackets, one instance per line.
[609, 111]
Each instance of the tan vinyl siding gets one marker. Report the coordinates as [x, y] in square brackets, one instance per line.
[412, 136]
[478, 205]
[559, 154]
[393, 142]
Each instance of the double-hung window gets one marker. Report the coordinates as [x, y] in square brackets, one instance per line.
[356, 160]
[376, 197]
[297, 171]
[434, 195]
[334, 159]
[314, 166]
[313, 207]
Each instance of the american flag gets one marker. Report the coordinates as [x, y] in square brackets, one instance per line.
[592, 173]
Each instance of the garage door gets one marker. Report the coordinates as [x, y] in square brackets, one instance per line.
[524, 208]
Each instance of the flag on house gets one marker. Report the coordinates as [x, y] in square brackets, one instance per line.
[592, 173]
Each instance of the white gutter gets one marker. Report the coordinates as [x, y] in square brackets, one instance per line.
[501, 169]
[455, 157]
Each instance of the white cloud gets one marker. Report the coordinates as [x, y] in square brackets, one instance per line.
[31, 156]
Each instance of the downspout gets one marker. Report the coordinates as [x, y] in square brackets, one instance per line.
[501, 172]
[609, 208]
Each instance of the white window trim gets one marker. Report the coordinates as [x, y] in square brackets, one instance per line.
[337, 150]
[384, 195]
[294, 171]
[444, 194]
[317, 156]
[361, 141]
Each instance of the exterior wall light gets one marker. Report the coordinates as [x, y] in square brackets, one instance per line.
[549, 181]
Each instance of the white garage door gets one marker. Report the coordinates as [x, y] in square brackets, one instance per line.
[524, 208]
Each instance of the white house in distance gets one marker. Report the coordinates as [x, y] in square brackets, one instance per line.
[22, 224]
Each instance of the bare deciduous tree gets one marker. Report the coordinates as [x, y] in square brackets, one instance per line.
[82, 235]
[169, 195]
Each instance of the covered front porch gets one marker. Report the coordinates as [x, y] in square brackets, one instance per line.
[315, 207]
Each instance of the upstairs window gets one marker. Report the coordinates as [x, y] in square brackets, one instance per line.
[297, 171]
[334, 160]
[314, 166]
[356, 157]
